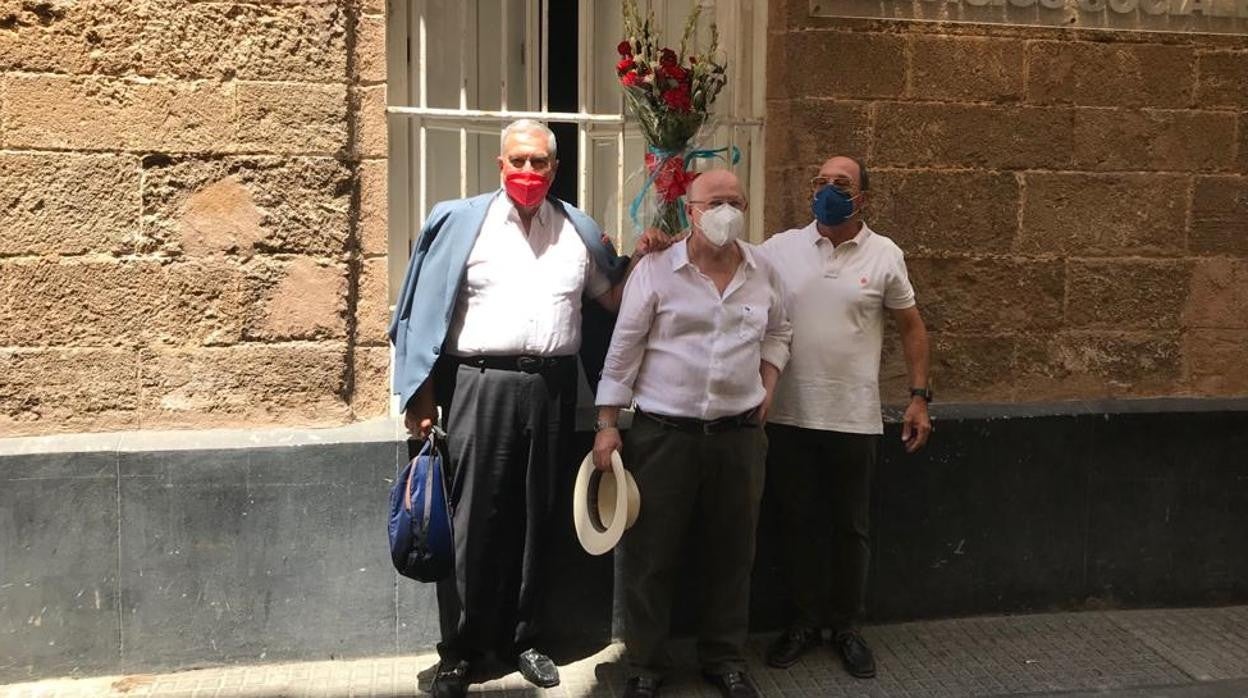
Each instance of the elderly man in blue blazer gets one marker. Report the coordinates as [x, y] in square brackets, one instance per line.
[488, 326]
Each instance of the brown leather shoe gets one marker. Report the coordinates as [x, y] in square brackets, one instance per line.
[790, 646]
[855, 655]
[734, 684]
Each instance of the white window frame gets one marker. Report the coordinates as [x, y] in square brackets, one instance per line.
[410, 118]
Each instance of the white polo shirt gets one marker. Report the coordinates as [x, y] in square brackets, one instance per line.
[835, 297]
[521, 294]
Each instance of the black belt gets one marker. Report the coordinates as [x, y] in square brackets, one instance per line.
[745, 420]
[522, 362]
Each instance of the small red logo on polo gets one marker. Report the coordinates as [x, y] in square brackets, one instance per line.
[862, 281]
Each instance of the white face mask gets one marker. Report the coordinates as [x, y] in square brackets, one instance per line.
[722, 224]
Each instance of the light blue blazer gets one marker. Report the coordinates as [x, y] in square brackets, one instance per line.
[435, 274]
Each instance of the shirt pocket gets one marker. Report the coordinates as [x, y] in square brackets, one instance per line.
[752, 322]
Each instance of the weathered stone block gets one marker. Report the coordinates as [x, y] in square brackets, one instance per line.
[370, 49]
[372, 309]
[92, 302]
[246, 205]
[1223, 79]
[373, 224]
[985, 136]
[246, 385]
[1220, 216]
[788, 199]
[300, 298]
[1216, 362]
[1124, 294]
[1218, 295]
[1118, 139]
[837, 64]
[44, 111]
[57, 203]
[988, 296]
[371, 396]
[966, 69]
[1109, 214]
[301, 41]
[957, 212]
[1110, 74]
[971, 367]
[292, 118]
[1087, 365]
[59, 390]
[370, 120]
[805, 132]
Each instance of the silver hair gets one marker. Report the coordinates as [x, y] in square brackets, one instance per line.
[529, 126]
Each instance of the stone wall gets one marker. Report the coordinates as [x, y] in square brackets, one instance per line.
[192, 213]
[1073, 204]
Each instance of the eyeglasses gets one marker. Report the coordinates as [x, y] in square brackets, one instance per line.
[842, 183]
[738, 204]
[539, 162]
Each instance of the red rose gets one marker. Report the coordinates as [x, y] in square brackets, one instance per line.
[667, 57]
[678, 99]
[625, 65]
[628, 79]
[625, 48]
[675, 72]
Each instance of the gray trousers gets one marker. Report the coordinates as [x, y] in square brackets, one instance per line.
[699, 493]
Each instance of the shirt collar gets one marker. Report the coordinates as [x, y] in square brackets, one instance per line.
[513, 214]
[811, 234]
[680, 254]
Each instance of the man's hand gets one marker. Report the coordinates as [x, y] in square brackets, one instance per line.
[421, 414]
[916, 426]
[760, 412]
[653, 240]
[606, 441]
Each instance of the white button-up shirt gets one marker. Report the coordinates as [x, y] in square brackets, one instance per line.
[835, 297]
[683, 350]
[522, 294]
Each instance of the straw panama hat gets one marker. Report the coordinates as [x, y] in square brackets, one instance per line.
[596, 501]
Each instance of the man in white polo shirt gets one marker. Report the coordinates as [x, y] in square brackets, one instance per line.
[699, 343]
[840, 277]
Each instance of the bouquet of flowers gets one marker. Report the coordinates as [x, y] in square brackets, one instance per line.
[670, 94]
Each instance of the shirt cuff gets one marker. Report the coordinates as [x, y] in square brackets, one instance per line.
[613, 394]
[775, 352]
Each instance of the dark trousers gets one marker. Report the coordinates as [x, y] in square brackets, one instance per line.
[699, 493]
[819, 484]
[506, 433]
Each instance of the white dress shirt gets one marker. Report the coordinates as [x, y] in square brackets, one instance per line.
[522, 294]
[835, 297]
[681, 349]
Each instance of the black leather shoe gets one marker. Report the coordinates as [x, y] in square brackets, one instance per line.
[451, 681]
[641, 687]
[790, 646]
[734, 684]
[855, 654]
[538, 669]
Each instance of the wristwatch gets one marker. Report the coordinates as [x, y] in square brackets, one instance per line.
[925, 393]
[601, 424]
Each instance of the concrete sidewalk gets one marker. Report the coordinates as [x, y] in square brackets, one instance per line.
[1175, 653]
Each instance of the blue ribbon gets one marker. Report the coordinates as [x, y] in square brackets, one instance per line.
[664, 155]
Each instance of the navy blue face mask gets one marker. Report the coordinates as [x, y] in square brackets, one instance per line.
[832, 206]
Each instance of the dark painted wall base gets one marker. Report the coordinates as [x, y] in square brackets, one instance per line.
[125, 562]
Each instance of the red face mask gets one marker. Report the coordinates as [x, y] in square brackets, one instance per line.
[526, 188]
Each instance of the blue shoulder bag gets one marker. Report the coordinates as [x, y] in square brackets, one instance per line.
[421, 543]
